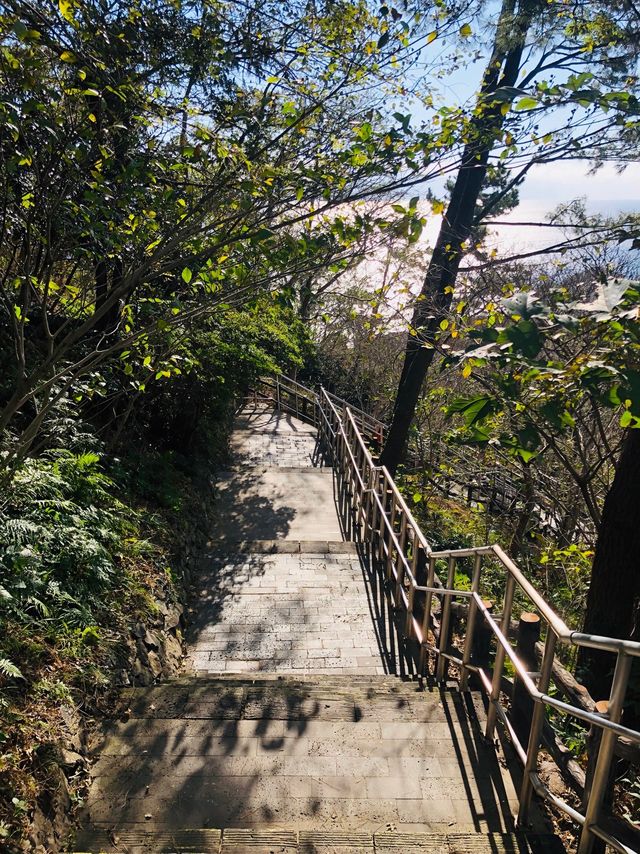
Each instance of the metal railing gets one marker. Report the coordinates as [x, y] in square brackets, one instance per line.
[425, 605]
[302, 402]
[399, 548]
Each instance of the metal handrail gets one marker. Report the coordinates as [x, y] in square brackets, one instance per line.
[394, 537]
[283, 386]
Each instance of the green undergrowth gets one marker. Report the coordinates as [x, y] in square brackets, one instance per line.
[560, 574]
[93, 527]
[83, 558]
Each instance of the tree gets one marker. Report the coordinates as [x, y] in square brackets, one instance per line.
[605, 36]
[542, 362]
[152, 175]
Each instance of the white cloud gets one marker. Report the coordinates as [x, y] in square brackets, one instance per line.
[559, 182]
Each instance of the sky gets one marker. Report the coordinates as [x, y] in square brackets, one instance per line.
[547, 186]
[606, 192]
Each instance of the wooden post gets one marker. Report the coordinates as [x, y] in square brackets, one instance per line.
[482, 637]
[471, 487]
[522, 703]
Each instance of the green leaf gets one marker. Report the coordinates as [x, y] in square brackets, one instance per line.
[263, 234]
[525, 337]
[527, 103]
[626, 418]
[465, 31]
[187, 275]
[525, 305]
[525, 455]
[65, 8]
[383, 40]
[474, 409]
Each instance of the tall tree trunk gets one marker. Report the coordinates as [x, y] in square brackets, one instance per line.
[437, 291]
[612, 601]
[306, 299]
[517, 545]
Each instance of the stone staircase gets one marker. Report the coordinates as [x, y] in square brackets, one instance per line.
[288, 732]
[284, 613]
[319, 763]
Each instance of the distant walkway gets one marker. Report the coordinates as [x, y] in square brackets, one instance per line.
[275, 610]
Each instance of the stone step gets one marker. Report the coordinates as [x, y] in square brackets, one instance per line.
[276, 503]
[270, 696]
[326, 753]
[287, 841]
[218, 548]
[283, 613]
[323, 755]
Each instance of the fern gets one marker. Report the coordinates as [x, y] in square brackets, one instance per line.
[19, 530]
[62, 531]
[9, 669]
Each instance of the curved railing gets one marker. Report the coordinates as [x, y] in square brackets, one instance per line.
[296, 399]
[427, 606]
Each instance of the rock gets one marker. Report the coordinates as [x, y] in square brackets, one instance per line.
[173, 649]
[173, 617]
[70, 760]
[153, 640]
[141, 675]
[155, 664]
[50, 815]
[122, 679]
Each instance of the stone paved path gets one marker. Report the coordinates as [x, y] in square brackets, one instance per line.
[284, 613]
[316, 764]
[264, 437]
[301, 612]
[285, 734]
[276, 489]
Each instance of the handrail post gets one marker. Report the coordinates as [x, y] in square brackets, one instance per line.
[412, 587]
[400, 558]
[471, 623]
[426, 617]
[498, 662]
[381, 529]
[537, 722]
[392, 520]
[592, 748]
[374, 532]
[445, 620]
[409, 618]
[369, 508]
[605, 755]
